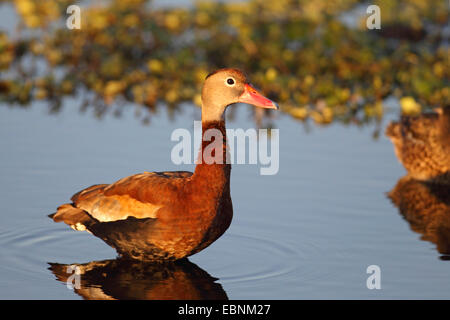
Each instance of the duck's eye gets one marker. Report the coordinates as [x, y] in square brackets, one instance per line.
[230, 81]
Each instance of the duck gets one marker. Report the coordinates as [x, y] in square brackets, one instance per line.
[167, 216]
[422, 144]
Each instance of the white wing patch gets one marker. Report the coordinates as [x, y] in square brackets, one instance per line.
[120, 207]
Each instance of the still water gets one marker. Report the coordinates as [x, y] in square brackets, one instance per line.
[309, 231]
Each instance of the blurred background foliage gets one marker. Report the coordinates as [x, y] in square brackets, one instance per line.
[313, 57]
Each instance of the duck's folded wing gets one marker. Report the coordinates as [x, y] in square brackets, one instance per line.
[139, 196]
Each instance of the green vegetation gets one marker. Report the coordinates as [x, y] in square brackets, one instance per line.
[298, 52]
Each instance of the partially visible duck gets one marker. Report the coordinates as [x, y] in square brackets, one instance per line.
[422, 145]
[168, 215]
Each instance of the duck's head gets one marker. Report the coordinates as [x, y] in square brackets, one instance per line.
[225, 87]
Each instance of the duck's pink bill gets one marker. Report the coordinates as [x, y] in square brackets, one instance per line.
[253, 97]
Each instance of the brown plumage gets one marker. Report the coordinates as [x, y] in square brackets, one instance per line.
[127, 279]
[422, 145]
[426, 206]
[168, 215]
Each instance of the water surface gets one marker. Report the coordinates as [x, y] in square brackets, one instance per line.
[309, 231]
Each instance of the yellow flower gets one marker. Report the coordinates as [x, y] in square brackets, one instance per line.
[130, 20]
[309, 80]
[25, 7]
[409, 106]
[37, 47]
[172, 21]
[271, 74]
[5, 59]
[138, 94]
[97, 19]
[438, 69]
[54, 56]
[200, 75]
[377, 83]
[41, 94]
[379, 109]
[155, 66]
[299, 113]
[112, 88]
[67, 86]
[171, 95]
[32, 21]
[202, 18]
[328, 114]
[324, 117]
[198, 100]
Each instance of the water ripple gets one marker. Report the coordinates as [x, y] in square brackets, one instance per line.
[260, 258]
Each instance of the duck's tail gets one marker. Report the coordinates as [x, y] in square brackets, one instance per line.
[76, 218]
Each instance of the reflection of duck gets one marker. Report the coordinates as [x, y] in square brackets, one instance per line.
[426, 206]
[422, 145]
[170, 215]
[128, 279]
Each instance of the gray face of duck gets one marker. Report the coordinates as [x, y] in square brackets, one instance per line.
[228, 86]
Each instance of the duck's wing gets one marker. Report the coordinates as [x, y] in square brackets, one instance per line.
[139, 196]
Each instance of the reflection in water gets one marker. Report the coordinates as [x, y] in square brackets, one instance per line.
[426, 207]
[125, 279]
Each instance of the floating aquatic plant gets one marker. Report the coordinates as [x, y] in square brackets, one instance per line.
[300, 53]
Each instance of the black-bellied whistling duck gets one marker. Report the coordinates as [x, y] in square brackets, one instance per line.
[168, 215]
[422, 145]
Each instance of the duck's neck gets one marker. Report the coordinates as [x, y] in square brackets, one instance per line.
[212, 169]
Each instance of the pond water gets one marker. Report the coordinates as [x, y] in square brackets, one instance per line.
[309, 231]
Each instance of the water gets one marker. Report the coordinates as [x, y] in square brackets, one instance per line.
[310, 231]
